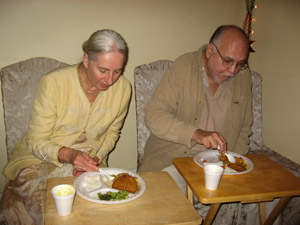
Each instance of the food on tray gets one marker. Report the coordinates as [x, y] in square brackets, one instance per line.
[113, 196]
[126, 182]
[224, 158]
[91, 183]
[238, 166]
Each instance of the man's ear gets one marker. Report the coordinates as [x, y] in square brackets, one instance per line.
[85, 60]
[209, 50]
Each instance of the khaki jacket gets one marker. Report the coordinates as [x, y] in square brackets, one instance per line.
[173, 112]
[61, 112]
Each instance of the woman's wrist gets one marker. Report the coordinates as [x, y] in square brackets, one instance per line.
[63, 155]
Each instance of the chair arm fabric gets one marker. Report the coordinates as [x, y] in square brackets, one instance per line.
[19, 82]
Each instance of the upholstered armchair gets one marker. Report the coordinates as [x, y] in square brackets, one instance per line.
[147, 77]
[19, 83]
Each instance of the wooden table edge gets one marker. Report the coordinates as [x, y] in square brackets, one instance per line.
[70, 180]
[284, 199]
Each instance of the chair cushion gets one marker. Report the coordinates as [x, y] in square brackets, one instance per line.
[19, 83]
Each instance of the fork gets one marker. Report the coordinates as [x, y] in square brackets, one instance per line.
[102, 171]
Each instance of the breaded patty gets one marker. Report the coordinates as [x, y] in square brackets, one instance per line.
[126, 182]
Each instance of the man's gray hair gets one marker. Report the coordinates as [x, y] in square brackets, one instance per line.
[104, 41]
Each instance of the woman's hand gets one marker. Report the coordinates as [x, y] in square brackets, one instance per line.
[77, 173]
[210, 139]
[80, 160]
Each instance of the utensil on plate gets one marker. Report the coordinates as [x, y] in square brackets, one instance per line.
[230, 158]
[106, 174]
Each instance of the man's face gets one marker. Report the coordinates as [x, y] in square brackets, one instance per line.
[225, 59]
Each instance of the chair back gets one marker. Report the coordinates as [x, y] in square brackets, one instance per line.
[19, 83]
[147, 77]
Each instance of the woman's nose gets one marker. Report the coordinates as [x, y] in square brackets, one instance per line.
[110, 79]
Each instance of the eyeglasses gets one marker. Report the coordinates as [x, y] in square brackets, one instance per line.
[228, 63]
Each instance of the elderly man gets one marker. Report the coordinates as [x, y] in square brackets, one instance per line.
[202, 102]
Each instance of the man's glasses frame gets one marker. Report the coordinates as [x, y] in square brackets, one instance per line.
[228, 63]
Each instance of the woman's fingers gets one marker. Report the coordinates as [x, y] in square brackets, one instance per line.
[84, 162]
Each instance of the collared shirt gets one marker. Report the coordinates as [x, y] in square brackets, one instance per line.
[174, 110]
[214, 109]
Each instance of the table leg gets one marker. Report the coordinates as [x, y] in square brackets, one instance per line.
[277, 210]
[262, 212]
[189, 194]
[211, 213]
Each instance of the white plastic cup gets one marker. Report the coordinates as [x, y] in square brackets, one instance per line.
[213, 174]
[63, 195]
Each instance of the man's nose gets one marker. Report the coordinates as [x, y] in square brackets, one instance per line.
[233, 69]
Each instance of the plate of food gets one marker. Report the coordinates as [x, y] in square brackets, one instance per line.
[241, 166]
[96, 187]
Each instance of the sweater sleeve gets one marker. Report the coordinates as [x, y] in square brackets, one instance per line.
[160, 111]
[42, 121]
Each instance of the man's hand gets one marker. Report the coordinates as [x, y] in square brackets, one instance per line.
[210, 139]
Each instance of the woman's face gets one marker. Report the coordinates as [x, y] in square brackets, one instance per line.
[105, 71]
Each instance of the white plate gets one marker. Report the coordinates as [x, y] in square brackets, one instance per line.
[92, 195]
[212, 157]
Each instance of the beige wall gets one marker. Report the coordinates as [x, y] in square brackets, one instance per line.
[277, 32]
[162, 29]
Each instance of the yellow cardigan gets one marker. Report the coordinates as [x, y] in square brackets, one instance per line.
[61, 112]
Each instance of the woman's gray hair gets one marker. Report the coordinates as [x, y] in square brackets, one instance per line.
[104, 41]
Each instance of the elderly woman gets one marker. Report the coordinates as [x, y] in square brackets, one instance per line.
[75, 122]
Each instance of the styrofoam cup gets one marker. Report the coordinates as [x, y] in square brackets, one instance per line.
[63, 195]
[213, 174]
